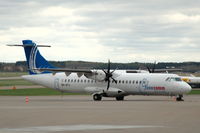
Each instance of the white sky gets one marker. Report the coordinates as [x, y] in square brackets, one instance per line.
[98, 30]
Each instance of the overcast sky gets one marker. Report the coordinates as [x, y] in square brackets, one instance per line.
[98, 30]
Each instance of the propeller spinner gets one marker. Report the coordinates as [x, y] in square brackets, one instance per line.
[109, 75]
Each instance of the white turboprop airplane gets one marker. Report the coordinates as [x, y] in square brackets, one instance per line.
[100, 83]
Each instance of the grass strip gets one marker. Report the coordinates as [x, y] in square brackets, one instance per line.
[194, 92]
[14, 82]
[34, 92]
[50, 92]
[12, 74]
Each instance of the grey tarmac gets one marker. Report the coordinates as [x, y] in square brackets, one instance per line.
[78, 114]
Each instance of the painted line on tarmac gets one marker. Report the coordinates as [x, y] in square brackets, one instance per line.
[47, 129]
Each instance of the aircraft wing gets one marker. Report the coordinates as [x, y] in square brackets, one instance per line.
[92, 74]
[155, 71]
[64, 70]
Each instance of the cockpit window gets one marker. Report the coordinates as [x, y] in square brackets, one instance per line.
[178, 79]
[173, 79]
[168, 79]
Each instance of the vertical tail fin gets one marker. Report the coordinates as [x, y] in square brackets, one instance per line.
[34, 58]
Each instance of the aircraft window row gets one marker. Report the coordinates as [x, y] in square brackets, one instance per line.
[93, 81]
[79, 80]
[129, 82]
[173, 79]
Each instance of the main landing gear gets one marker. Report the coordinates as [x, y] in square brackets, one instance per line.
[179, 98]
[98, 97]
[120, 98]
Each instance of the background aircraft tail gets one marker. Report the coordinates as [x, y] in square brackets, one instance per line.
[34, 58]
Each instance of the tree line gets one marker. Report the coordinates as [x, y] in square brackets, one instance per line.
[21, 66]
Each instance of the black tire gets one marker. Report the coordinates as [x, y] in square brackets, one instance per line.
[179, 98]
[120, 98]
[97, 97]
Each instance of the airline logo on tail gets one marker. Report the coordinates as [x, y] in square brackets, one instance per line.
[34, 58]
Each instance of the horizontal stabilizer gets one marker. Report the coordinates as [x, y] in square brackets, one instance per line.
[28, 45]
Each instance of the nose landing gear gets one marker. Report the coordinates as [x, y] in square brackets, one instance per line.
[179, 98]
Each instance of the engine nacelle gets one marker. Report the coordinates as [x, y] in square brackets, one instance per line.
[97, 75]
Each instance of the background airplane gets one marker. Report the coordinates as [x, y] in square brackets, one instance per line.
[192, 80]
[99, 83]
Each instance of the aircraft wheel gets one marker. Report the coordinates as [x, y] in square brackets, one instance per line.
[120, 98]
[97, 97]
[179, 98]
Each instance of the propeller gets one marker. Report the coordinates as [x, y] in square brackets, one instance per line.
[153, 69]
[109, 75]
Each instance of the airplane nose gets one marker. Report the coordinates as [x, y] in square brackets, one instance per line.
[187, 88]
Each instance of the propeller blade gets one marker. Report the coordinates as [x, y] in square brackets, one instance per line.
[154, 66]
[114, 70]
[108, 84]
[109, 75]
[149, 69]
[114, 80]
[104, 71]
[108, 66]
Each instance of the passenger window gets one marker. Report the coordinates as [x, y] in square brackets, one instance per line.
[122, 81]
[140, 82]
[133, 81]
[68, 80]
[77, 80]
[126, 82]
[72, 80]
[136, 82]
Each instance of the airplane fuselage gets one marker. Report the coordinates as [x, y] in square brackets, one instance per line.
[127, 84]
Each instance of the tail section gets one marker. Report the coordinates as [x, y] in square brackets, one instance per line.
[34, 58]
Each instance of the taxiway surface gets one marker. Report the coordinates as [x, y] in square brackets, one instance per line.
[139, 114]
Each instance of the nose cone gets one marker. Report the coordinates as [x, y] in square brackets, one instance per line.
[186, 88]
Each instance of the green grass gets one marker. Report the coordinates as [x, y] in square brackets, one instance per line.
[48, 92]
[194, 92]
[12, 74]
[14, 82]
[33, 92]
